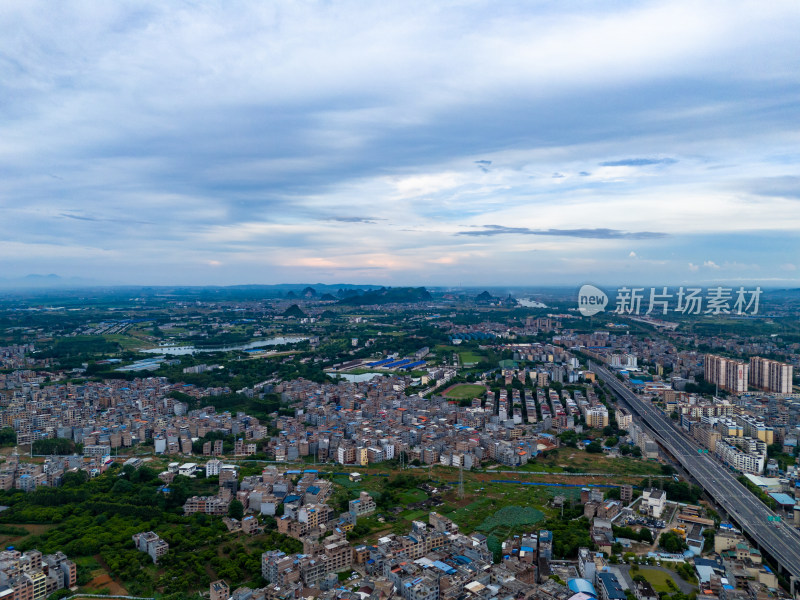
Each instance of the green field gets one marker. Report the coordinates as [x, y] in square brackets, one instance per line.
[658, 579]
[127, 342]
[470, 358]
[466, 391]
[410, 496]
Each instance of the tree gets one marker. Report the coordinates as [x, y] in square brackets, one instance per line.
[59, 446]
[236, 509]
[569, 438]
[708, 542]
[671, 542]
[645, 535]
[8, 437]
[594, 448]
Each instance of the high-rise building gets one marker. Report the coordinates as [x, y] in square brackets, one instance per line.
[770, 375]
[729, 374]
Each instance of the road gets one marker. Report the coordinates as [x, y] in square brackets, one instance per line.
[779, 540]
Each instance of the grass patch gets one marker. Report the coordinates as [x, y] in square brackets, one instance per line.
[411, 496]
[415, 515]
[658, 579]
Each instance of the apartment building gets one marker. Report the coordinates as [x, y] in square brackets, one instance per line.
[624, 418]
[729, 374]
[744, 454]
[770, 375]
[597, 417]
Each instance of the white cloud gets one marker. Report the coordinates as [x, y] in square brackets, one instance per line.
[133, 131]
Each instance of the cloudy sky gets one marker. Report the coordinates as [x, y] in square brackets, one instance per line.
[473, 143]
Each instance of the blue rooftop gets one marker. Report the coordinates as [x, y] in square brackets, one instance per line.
[783, 499]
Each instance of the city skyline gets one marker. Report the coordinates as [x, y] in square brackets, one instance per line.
[401, 144]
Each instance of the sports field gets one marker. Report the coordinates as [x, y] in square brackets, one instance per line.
[465, 391]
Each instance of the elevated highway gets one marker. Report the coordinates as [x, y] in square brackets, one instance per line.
[778, 539]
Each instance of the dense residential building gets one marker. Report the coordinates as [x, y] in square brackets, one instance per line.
[33, 576]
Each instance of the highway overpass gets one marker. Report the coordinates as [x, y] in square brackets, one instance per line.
[778, 539]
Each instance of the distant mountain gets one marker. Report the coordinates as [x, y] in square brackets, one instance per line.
[308, 292]
[402, 295]
[484, 296]
[328, 298]
[294, 311]
[49, 281]
[347, 293]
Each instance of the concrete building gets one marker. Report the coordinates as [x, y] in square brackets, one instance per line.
[653, 502]
[609, 587]
[744, 454]
[152, 544]
[219, 590]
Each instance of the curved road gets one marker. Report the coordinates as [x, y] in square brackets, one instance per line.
[779, 540]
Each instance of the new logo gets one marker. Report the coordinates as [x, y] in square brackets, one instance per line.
[591, 300]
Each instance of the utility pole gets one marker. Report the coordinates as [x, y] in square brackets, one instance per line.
[461, 479]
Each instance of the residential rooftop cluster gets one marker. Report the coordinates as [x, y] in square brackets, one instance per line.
[33, 576]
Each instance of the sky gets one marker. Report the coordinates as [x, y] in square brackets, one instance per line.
[401, 143]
